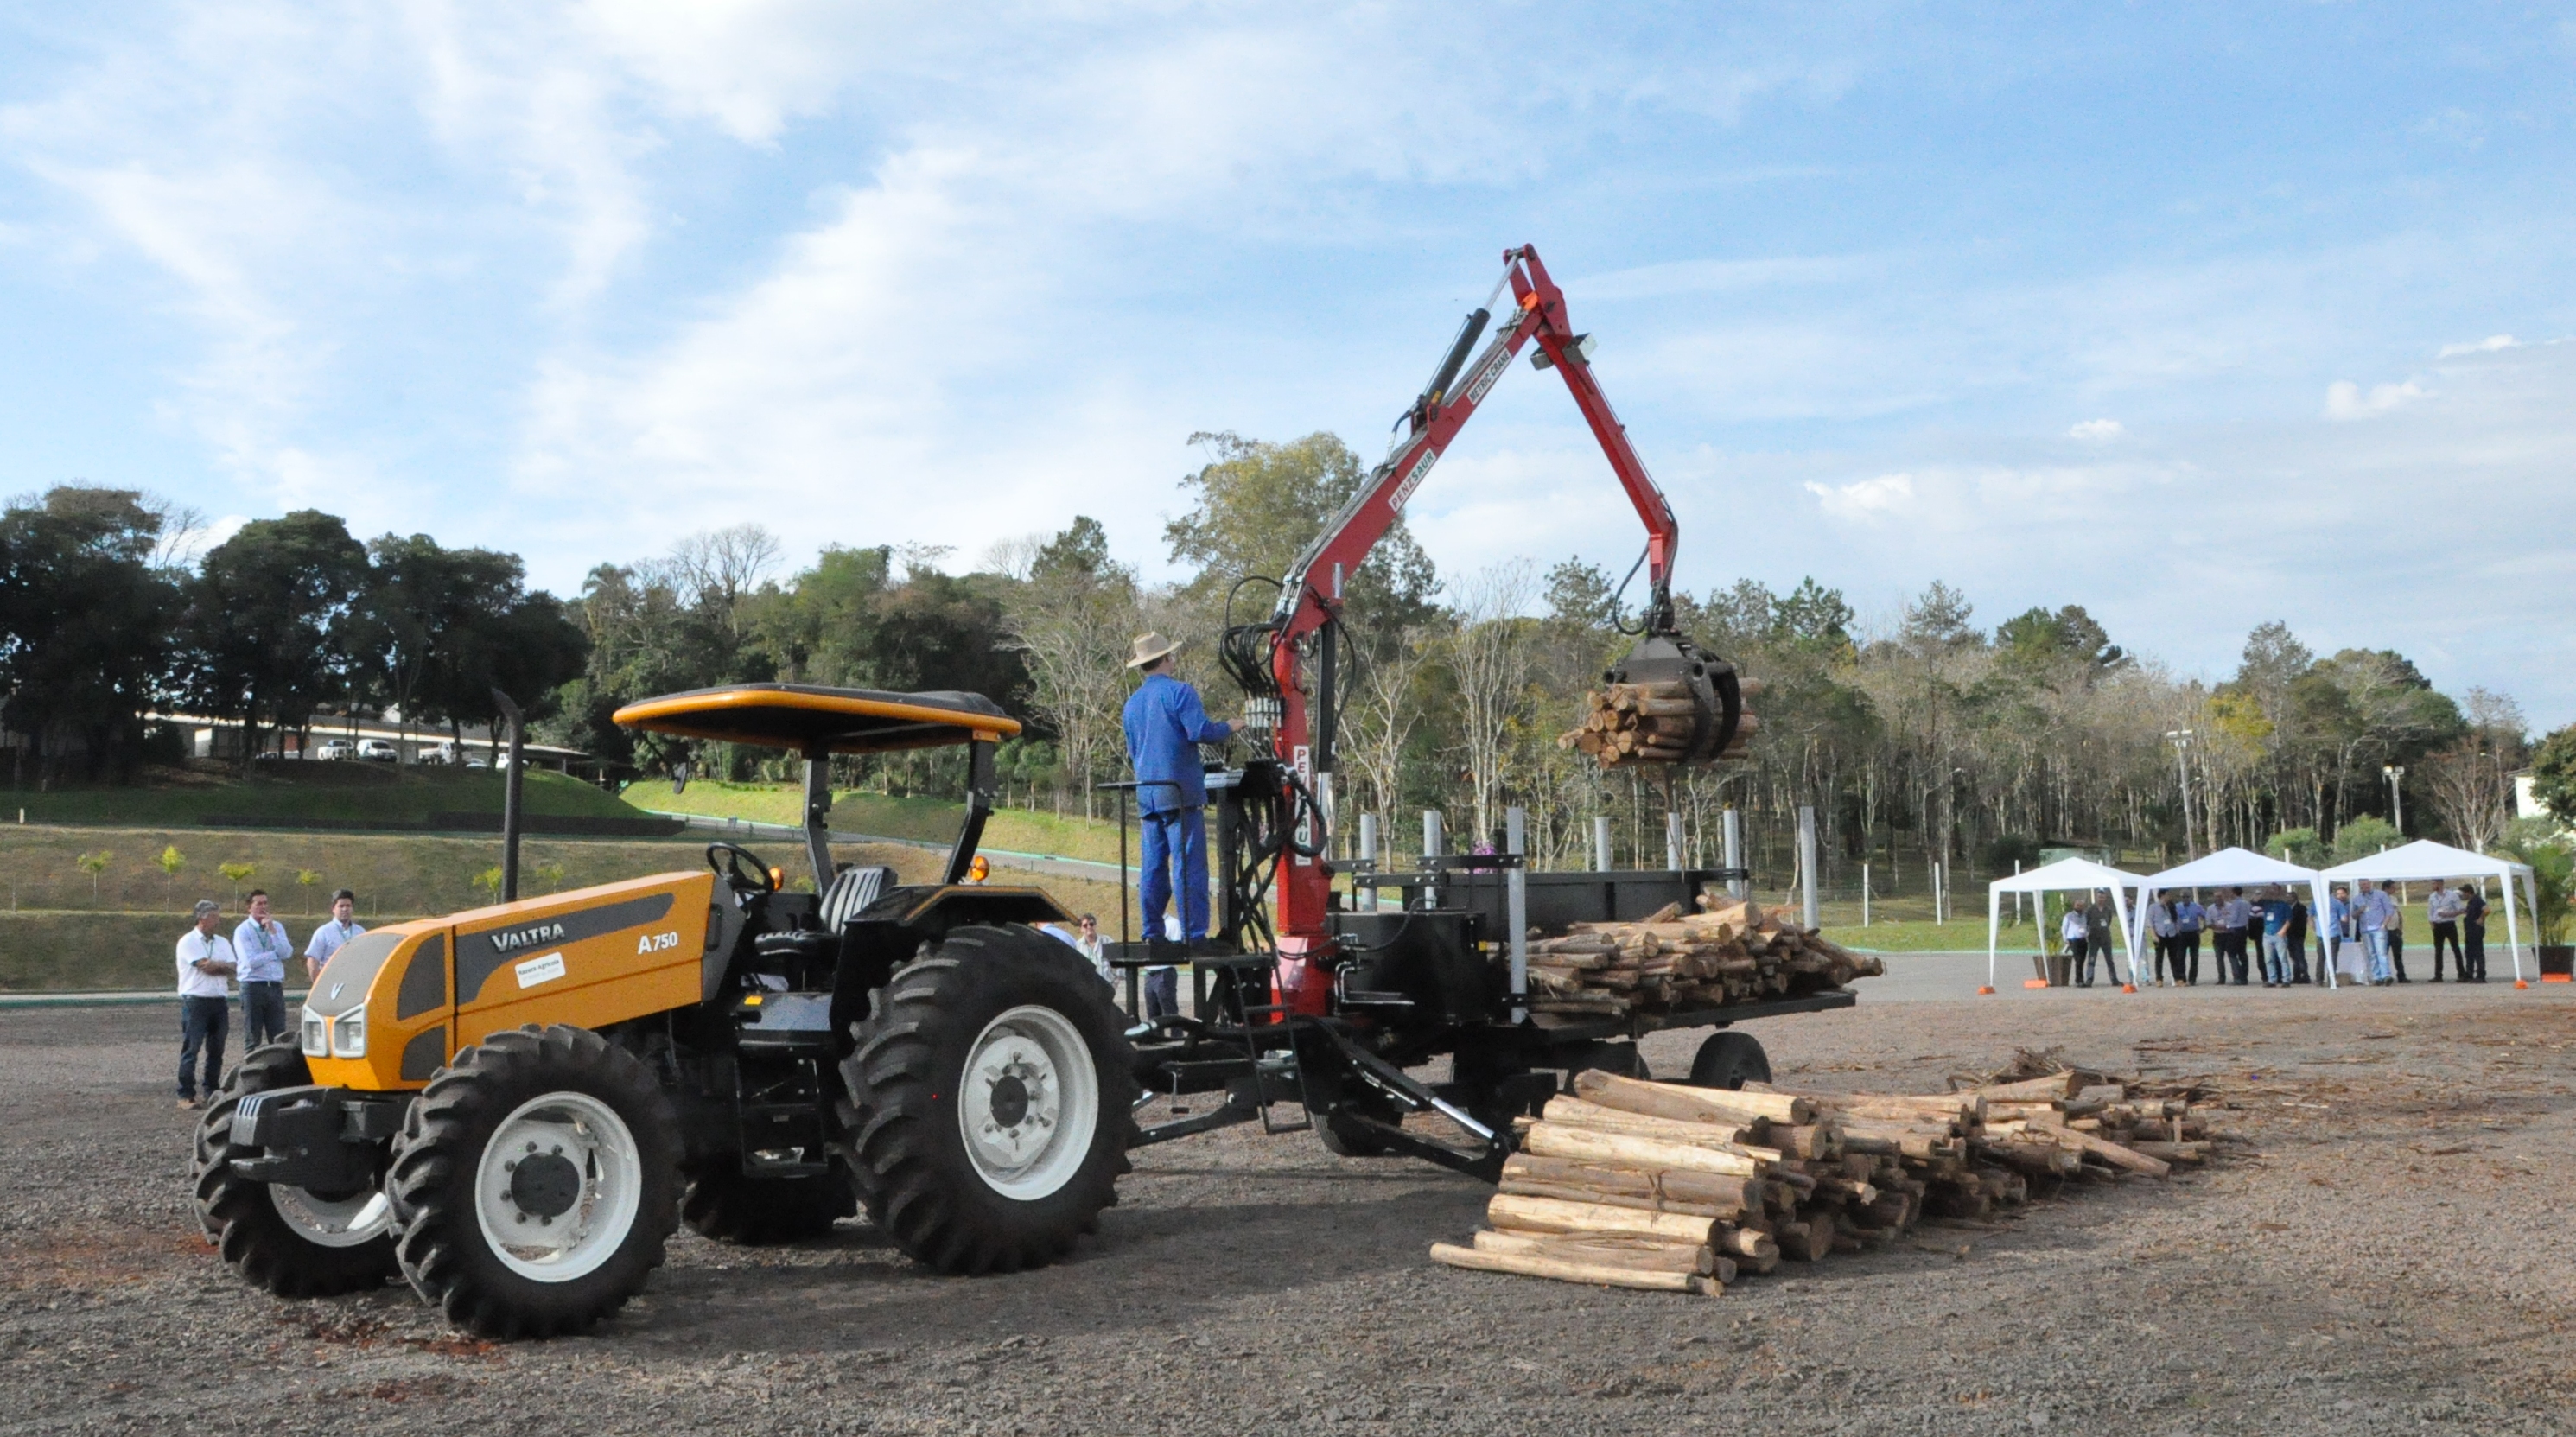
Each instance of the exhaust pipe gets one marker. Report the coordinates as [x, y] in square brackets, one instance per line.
[510, 798]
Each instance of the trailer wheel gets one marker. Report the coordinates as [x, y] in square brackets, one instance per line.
[292, 1242]
[536, 1180]
[1729, 1060]
[1346, 1139]
[724, 1204]
[990, 1089]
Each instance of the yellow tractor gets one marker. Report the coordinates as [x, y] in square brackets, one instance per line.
[515, 1106]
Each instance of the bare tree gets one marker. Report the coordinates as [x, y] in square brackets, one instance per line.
[1383, 715]
[719, 567]
[1490, 656]
[1072, 629]
[2470, 782]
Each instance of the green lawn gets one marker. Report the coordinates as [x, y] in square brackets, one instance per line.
[1013, 830]
[384, 793]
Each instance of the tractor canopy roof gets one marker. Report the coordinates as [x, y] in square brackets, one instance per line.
[803, 717]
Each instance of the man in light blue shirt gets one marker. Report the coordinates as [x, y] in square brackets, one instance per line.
[261, 949]
[330, 937]
[1165, 724]
[2376, 909]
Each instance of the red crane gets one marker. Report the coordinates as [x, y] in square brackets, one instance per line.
[1287, 665]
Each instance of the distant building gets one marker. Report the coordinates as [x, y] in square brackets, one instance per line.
[219, 738]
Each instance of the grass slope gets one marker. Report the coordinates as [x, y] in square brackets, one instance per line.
[1014, 830]
[383, 793]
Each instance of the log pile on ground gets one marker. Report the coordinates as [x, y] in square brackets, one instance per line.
[1731, 952]
[1627, 724]
[1626, 1183]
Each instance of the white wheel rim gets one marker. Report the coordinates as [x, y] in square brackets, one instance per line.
[601, 1191]
[1028, 1103]
[352, 1221]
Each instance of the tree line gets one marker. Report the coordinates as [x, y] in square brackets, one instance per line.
[1927, 738]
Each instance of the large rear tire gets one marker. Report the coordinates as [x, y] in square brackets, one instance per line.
[1729, 1060]
[991, 1094]
[289, 1241]
[722, 1204]
[536, 1182]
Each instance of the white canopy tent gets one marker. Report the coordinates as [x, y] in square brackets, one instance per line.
[2425, 861]
[2063, 875]
[2241, 867]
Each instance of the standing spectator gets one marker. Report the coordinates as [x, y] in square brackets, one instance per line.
[2442, 908]
[1163, 980]
[2160, 921]
[2343, 936]
[1086, 941]
[2276, 938]
[262, 948]
[332, 936]
[2234, 913]
[2396, 930]
[2298, 940]
[2371, 912]
[205, 961]
[2189, 919]
[2071, 930]
[2473, 929]
[2100, 922]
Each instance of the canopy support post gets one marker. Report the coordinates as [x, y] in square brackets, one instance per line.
[980, 782]
[818, 810]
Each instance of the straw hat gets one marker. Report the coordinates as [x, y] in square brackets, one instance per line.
[1149, 647]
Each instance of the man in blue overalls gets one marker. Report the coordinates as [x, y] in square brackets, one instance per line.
[1165, 725]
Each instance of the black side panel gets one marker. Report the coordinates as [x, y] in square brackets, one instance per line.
[424, 984]
[425, 1054]
[479, 953]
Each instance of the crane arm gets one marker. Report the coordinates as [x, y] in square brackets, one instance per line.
[1312, 590]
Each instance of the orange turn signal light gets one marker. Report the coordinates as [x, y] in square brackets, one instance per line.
[778, 878]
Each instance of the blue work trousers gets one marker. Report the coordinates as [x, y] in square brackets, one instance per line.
[2276, 959]
[1175, 835]
[202, 1025]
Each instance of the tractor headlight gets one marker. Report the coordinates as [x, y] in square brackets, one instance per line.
[349, 1034]
[316, 1032]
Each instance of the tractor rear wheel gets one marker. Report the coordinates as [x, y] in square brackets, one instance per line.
[1730, 1060]
[293, 1242]
[536, 1181]
[991, 1093]
[723, 1204]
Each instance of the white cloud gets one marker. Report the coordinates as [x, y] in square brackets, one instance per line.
[1863, 500]
[2345, 399]
[2488, 345]
[2097, 431]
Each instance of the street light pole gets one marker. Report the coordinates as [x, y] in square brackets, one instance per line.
[2396, 774]
[2181, 740]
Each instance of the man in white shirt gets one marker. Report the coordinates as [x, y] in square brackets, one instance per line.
[330, 937]
[2071, 931]
[260, 948]
[205, 961]
[2160, 919]
[2444, 908]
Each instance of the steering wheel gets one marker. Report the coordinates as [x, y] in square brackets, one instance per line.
[740, 868]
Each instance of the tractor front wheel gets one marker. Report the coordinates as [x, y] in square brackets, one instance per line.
[990, 1089]
[536, 1181]
[293, 1242]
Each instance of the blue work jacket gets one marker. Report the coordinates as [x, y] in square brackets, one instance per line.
[1165, 725]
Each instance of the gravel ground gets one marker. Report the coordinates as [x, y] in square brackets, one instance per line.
[2385, 1257]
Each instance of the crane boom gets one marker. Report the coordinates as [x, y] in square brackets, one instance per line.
[1287, 666]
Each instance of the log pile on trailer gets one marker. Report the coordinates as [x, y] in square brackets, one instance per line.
[1628, 724]
[1663, 1186]
[1731, 952]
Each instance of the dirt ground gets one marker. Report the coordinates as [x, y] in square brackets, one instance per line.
[2391, 1254]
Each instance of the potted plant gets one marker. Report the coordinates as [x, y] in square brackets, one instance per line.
[2553, 866]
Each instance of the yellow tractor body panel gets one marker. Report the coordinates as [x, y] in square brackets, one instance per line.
[591, 957]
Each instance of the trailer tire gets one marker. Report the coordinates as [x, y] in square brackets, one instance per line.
[1007, 1032]
[1345, 1139]
[466, 1201]
[288, 1241]
[724, 1204]
[1729, 1060]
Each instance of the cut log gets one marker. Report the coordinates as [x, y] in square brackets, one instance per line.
[1729, 1194]
[1577, 1112]
[1468, 1257]
[1514, 1213]
[1554, 1141]
[1640, 1254]
[1673, 1100]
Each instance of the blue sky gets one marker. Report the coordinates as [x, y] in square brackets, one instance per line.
[2197, 315]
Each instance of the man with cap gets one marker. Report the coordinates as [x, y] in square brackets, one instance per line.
[1165, 724]
[205, 962]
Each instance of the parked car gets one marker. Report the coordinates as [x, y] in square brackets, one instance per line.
[335, 748]
[378, 750]
[442, 751]
[476, 760]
